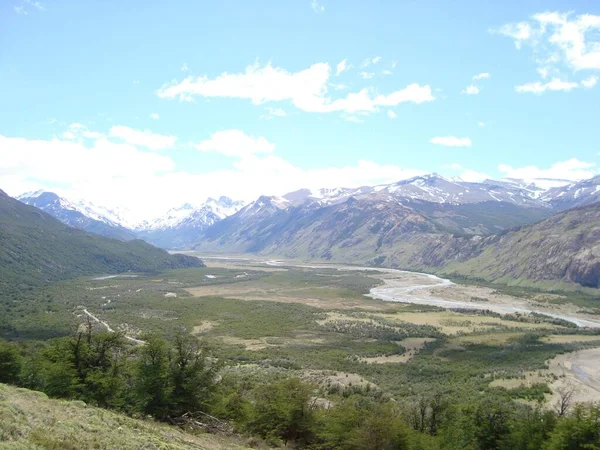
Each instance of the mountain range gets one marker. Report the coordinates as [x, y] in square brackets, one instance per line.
[427, 223]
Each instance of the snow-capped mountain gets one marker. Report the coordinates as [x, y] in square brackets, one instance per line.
[199, 216]
[180, 226]
[435, 188]
[452, 202]
[572, 195]
[78, 214]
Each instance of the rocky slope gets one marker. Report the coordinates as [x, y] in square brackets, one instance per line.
[564, 248]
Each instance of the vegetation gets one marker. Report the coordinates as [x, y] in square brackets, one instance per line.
[36, 249]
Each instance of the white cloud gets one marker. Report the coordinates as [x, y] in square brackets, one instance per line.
[235, 143]
[520, 32]
[559, 38]
[77, 131]
[391, 114]
[352, 118]
[481, 124]
[367, 75]
[306, 89]
[144, 138]
[369, 61]
[273, 112]
[590, 81]
[145, 184]
[20, 10]
[481, 76]
[154, 116]
[36, 4]
[451, 141]
[543, 71]
[386, 72]
[342, 66]
[471, 90]
[572, 169]
[316, 6]
[555, 84]
[184, 67]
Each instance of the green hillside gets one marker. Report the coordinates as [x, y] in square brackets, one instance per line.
[31, 420]
[36, 249]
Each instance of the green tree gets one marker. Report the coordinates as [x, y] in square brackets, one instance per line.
[192, 375]
[152, 377]
[284, 411]
[10, 363]
[580, 430]
[491, 424]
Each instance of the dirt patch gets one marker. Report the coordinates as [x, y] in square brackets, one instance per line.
[488, 338]
[204, 327]
[271, 341]
[569, 338]
[453, 323]
[339, 379]
[579, 371]
[412, 345]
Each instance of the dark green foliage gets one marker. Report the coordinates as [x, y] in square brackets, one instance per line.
[360, 423]
[283, 411]
[10, 363]
[581, 430]
[35, 249]
[152, 385]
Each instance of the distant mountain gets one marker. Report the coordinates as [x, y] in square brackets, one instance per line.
[35, 248]
[82, 215]
[572, 195]
[180, 227]
[358, 226]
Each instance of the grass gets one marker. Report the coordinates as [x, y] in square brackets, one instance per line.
[31, 420]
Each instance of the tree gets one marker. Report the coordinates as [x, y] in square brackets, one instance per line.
[191, 375]
[492, 424]
[10, 363]
[152, 377]
[565, 398]
[284, 411]
[580, 430]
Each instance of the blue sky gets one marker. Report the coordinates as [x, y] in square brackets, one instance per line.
[247, 98]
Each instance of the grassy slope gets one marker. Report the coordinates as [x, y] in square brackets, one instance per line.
[30, 419]
[35, 249]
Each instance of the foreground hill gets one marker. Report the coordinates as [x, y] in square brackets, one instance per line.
[29, 419]
[36, 248]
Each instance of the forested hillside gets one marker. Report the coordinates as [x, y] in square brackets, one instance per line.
[35, 249]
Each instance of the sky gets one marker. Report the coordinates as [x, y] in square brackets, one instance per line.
[141, 106]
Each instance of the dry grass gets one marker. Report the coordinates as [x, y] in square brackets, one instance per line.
[569, 338]
[412, 345]
[452, 323]
[30, 420]
[204, 327]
